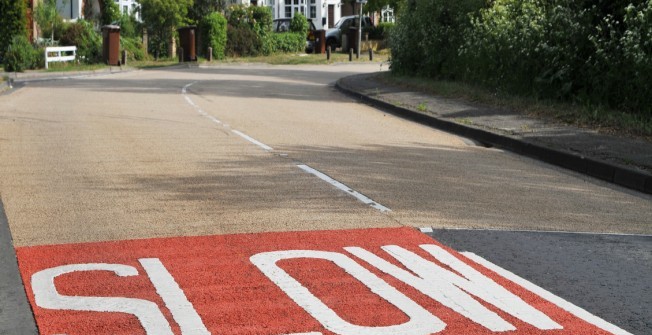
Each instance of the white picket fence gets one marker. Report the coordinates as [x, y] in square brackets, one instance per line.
[60, 54]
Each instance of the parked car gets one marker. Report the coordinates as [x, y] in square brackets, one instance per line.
[283, 25]
[334, 35]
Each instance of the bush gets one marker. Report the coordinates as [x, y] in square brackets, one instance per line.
[129, 26]
[299, 24]
[248, 30]
[110, 12]
[379, 32]
[428, 35]
[19, 55]
[242, 42]
[285, 42]
[134, 48]
[213, 30]
[88, 42]
[12, 22]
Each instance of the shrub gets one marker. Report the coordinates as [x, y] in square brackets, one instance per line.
[134, 48]
[428, 34]
[299, 24]
[19, 55]
[88, 42]
[110, 12]
[242, 41]
[213, 30]
[379, 32]
[129, 26]
[285, 42]
[12, 22]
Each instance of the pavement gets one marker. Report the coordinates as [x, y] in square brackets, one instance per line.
[620, 160]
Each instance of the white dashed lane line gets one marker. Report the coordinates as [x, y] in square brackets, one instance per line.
[364, 199]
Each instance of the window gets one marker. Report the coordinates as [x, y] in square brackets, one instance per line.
[125, 9]
[288, 11]
[313, 11]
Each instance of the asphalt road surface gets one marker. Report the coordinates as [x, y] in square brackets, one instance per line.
[173, 153]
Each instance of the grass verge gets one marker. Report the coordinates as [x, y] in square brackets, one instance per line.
[298, 59]
[590, 117]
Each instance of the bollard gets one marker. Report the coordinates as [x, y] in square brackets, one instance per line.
[124, 57]
[351, 55]
[328, 52]
[156, 55]
[180, 51]
[210, 54]
[371, 54]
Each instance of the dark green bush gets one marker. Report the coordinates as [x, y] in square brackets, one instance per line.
[285, 42]
[213, 30]
[19, 55]
[299, 24]
[379, 32]
[12, 22]
[248, 30]
[134, 48]
[242, 42]
[88, 42]
[595, 52]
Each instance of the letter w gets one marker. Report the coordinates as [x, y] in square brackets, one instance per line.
[450, 289]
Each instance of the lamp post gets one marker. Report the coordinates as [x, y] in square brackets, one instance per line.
[361, 3]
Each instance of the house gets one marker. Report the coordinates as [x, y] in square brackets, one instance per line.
[323, 13]
[73, 10]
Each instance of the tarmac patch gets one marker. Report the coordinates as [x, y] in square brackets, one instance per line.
[354, 282]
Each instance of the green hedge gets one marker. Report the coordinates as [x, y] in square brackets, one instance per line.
[88, 42]
[285, 43]
[20, 55]
[595, 52]
[213, 30]
[12, 22]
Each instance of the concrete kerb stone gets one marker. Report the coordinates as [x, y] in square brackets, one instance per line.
[613, 173]
[50, 76]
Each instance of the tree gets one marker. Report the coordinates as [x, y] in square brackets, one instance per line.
[47, 17]
[377, 5]
[202, 8]
[162, 17]
[12, 22]
[109, 12]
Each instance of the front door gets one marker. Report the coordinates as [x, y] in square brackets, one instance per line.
[331, 16]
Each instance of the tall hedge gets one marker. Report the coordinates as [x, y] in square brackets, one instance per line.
[598, 52]
[12, 22]
[213, 32]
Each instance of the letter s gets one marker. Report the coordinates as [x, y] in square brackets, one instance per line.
[147, 312]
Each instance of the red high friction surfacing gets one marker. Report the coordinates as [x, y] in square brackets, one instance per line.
[228, 294]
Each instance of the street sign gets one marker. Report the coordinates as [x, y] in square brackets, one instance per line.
[356, 282]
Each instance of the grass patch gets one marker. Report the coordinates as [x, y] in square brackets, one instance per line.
[299, 59]
[72, 66]
[591, 117]
[151, 64]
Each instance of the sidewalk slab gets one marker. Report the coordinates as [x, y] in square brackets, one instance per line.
[620, 160]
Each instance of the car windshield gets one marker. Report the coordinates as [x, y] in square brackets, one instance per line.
[340, 22]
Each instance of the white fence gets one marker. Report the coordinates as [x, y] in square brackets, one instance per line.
[59, 54]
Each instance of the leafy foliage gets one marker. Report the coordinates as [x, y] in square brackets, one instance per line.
[299, 24]
[20, 55]
[249, 31]
[12, 22]
[109, 12]
[596, 52]
[88, 42]
[47, 17]
[161, 18]
[285, 43]
[213, 29]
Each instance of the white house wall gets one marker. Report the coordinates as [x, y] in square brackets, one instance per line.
[320, 19]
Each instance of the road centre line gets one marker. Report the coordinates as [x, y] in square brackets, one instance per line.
[344, 188]
[563, 304]
[364, 199]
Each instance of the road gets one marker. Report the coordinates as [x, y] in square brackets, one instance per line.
[256, 149]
